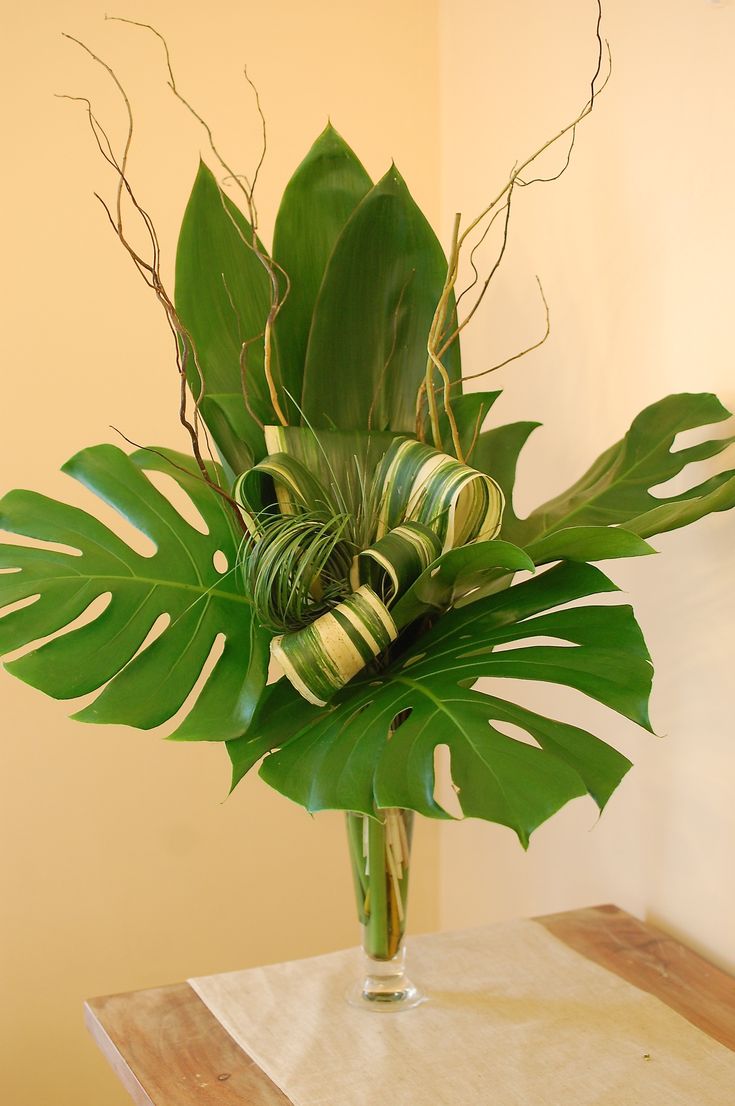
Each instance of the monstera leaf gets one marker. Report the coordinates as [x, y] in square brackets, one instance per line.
[348, 755]
[496, 452]
[142, 687]
[616, 490]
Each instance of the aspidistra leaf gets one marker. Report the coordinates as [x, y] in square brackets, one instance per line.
[366, 356]
[321, 195]
[223, 297]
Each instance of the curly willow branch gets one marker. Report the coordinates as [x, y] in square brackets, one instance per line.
[150, 269]
[272, 268]
[440, 337]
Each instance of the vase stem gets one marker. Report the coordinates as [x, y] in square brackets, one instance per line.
[380, 849]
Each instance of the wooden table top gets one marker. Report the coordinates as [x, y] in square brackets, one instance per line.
[167, 1049]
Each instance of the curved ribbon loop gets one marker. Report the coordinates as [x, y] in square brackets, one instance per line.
[428, 503]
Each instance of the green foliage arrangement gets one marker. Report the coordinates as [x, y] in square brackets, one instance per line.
[360, 522]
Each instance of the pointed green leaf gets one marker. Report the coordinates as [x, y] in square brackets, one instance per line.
[496, 453]
[366, 356]
[223, 299]
[142, 687]
[469, 412]
[321, 195]
[588, 543]
[457, 573]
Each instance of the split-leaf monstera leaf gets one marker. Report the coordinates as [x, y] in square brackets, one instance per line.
[175, 637]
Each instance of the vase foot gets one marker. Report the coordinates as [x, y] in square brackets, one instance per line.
[385, 987]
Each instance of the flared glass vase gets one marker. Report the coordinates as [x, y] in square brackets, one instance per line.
[380, 855]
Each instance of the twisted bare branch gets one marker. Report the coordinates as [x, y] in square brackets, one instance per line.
[441, 338]
[149, 269]
[277, 296]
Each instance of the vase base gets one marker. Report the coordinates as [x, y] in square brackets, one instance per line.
[385, 1002]
[385, 987]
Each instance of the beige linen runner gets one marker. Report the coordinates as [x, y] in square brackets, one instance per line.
[515, 1018]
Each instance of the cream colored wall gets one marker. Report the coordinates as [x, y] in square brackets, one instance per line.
[635, 247]
[121, 866]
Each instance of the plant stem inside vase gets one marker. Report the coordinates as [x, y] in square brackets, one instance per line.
[380, 852]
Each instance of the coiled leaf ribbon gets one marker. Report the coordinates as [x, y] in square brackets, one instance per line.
[423, 504]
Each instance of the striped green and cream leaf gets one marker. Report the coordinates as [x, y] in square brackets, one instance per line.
[144, 671]
[419, 484]
[374, 744]
[428, 503]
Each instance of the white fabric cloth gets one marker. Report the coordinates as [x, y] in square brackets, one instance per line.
[515, 1018]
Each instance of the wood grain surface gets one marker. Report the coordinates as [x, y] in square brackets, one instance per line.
[654, 962]
[167, 1049]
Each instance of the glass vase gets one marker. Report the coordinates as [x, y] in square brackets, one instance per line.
[380, 853]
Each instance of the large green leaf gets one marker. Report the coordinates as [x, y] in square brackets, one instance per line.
[616, 489]
[716, 494]
[223, 298]
[366, 356]
[318, 200]
[496, 453]
[455, 574]
[145, 687]
[587, 543]
[469, 412]
[344, 756]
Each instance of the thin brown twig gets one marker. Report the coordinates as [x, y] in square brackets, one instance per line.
[129, 110]
[471, 259]
[272, 269]
[523, 352]
[501, 254]
[438, 343]
[181, 468]
[243, 356]
[150, 270]
[434, 362]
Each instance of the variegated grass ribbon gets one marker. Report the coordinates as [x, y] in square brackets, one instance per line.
[419, 484]
[321, 658]
[427, 502]
[393, 563]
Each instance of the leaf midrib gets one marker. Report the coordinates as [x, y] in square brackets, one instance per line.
[199, 589]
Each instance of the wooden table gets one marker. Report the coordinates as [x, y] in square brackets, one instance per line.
[168, 1050]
